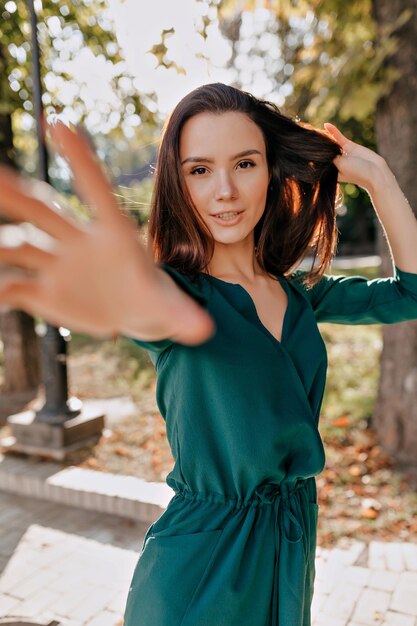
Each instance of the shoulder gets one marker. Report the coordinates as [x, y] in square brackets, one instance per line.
[192, 283]
[299, 280]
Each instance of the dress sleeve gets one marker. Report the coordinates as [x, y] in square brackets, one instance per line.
[357, 300]
[156, 347]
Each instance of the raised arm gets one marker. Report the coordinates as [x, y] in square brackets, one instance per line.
[354, 299]
[363, 167]
[97, 277]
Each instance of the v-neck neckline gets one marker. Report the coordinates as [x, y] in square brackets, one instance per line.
[262, 326]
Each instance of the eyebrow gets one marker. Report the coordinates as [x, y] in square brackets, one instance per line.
[196, 159]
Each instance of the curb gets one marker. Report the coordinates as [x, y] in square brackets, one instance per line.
[125, 496]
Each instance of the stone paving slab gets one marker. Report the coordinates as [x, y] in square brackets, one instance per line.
[375, 593]
[75, 566]
[63, 563]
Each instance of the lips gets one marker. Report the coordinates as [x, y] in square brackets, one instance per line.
[231, 218]
[226, 212]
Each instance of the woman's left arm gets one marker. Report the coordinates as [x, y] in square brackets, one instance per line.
[365, 168]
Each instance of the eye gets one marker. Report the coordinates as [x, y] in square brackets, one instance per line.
[198, 170]
[246, 163]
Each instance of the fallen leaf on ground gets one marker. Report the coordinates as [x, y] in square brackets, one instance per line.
[341, 421]
[123, 451]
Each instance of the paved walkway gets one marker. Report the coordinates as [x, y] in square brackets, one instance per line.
[65, 563]
[75, 566]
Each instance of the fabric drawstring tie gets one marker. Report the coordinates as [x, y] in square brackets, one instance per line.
[288, 528]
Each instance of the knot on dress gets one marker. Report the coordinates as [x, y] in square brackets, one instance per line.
[279, 496]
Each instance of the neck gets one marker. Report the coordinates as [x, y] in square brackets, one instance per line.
[237, 261]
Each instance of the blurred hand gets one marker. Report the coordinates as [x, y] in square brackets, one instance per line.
[96, 278]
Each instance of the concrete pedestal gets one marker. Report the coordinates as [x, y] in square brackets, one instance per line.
[30, 436]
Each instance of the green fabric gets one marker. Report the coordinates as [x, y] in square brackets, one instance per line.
[236, 544]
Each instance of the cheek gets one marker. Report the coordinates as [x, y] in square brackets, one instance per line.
[198, 194]
[259, 195]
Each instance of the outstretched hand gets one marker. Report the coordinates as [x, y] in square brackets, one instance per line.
[96, 276]
[357, 164]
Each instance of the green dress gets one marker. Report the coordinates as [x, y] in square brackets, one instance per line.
[236, 544]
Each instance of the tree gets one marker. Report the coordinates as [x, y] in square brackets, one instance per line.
[20, 342]
[396, 126]
[67, 29]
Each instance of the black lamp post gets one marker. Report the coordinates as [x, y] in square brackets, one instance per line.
[53, 345]
[61, 424]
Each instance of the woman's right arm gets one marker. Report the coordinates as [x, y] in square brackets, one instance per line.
[96, 278]
[170, 312]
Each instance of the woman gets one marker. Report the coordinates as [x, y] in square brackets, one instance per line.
[242, 193]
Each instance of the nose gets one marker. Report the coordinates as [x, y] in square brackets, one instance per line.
[225, 187]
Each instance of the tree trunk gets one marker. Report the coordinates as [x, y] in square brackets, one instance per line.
[20, 342]
[395, 416]
[21, 352]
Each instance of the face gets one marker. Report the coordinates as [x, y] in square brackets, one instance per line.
[223, 158]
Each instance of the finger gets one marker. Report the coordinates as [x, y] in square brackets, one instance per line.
[26, 256]
[19, 294]
[333, 130]
[25, 200]
[26, 294]
[338, 136]
[90, 179]
[22, 294]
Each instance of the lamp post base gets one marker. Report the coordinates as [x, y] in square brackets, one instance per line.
[31, 436]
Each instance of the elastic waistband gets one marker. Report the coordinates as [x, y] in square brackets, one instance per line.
[265, 493]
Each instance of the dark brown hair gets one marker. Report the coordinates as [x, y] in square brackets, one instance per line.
[300, 206]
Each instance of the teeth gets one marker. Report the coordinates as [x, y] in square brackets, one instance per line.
[228, 216]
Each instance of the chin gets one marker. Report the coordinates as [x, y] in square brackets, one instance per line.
[231, 238]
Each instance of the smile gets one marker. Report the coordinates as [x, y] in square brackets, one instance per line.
[229, 217]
